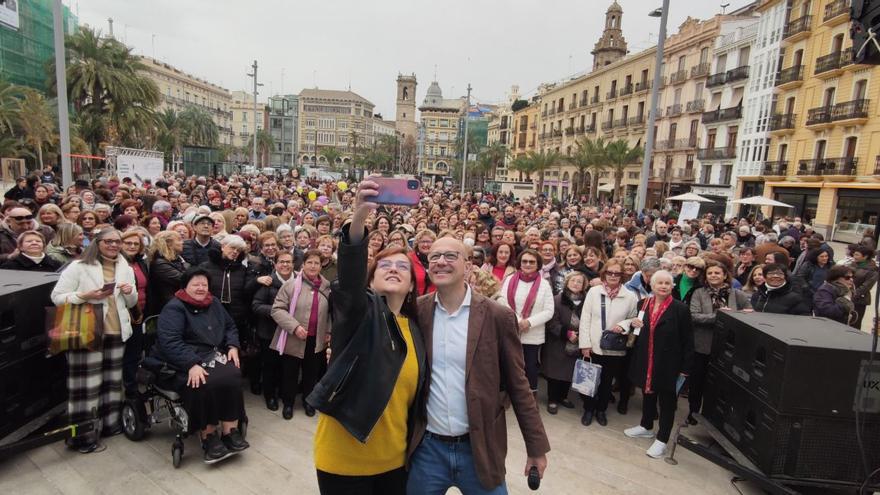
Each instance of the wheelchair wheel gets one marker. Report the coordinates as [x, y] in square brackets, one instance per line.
[243, 427]
[176, 453]
[132, 421]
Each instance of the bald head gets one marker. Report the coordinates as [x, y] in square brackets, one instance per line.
[448, 261]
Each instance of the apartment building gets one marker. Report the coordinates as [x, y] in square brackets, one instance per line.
[282, 113]
[331, 118]
[440, 120]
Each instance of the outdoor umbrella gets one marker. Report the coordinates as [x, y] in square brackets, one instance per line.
[690, 197]
[761, 201]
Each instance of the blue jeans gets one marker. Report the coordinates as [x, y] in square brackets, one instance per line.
[436, 466]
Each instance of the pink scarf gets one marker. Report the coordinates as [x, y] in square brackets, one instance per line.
[281, 343]
[530, 298]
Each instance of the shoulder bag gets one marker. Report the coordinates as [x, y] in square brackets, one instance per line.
[611, 341]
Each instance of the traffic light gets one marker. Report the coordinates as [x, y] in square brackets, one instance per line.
[865, 16]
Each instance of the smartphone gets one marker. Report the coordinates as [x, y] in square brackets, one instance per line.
[108, 287]
[394, 191]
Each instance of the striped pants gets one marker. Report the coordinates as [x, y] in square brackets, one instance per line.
[94, 382]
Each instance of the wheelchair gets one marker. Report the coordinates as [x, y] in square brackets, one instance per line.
[159, 400]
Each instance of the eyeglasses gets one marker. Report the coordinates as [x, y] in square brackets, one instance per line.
[111, 242]
[774, 275]
[613, 274]
[401, 266]
[449, 256]
[285, 262]
[528, 262]
[131, 244]
[22, 218]
[692, 267]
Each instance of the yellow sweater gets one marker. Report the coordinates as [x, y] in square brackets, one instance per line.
[337, 452]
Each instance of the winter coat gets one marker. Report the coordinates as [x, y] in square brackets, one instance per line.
[788, 300]
[829, 302]
[423, 280]
[80, 277]
[286, 322]
[229, 281]
[189, 335]
[195, 254]
[676, 281]
[542, 310]
[556, 364]
[9, 239]
[618, 312]
[672, 346]
[261, 307]
[864, 279]
[165, 276]
[703, 315]
[813, 275]
[22, 262]
[60, 254]
[641, 288]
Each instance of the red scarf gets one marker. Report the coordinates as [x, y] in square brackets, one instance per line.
[530, 298]
[653, 318]
[201, 304]
[612, 293]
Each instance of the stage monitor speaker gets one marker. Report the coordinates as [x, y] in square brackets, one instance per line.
[29, 387]
[803, 447]
[798, 365]
[24, 297]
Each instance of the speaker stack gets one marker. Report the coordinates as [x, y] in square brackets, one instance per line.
[31, 383]
[786, 390]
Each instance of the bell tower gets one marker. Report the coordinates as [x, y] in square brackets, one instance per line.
[611, 47]
[405, 121]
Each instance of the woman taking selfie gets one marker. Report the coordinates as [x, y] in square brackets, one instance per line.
[368, 393]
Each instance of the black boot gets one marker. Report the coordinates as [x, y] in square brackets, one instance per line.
[234, 441]
[310, 411]
[623, 406]
[214, 448]
[272, 403]
[287, 411]
[587, 418]
[601, 418]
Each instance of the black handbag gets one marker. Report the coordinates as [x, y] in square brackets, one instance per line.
[611, 341]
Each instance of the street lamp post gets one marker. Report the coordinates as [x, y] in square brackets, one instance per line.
[61, 84]
[642, 199]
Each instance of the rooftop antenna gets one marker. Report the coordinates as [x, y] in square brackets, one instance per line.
[724, 7]
[315, 78]
[154, 46]
[435, 72]
[110, 21]
[282, 80]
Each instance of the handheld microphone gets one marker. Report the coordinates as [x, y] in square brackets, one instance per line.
[534, 478]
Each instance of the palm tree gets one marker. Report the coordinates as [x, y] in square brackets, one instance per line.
[541, 161]
[35, 122]
[9, 96]
[331, 154]
[490, 158]
[265, 144]
[171, 135]
[619, 156]
[198, 126]
[523, 165]
[589, 156]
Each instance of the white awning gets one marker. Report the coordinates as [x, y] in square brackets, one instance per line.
[606, 187]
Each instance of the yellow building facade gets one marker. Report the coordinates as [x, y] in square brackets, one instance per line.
[824, 156]
[439, 120]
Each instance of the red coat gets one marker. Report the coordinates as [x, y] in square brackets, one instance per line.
[423, 280]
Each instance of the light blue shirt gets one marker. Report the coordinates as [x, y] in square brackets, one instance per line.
[447, 401]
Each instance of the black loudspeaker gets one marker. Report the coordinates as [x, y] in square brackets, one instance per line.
[798, 365]
[24, 297]
[801, 447]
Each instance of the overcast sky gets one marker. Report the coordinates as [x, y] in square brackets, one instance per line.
[491, 44]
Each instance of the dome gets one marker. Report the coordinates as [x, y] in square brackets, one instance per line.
[615, 7]
[434, 95]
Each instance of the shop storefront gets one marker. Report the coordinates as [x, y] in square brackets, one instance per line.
[749, 189]
[857, 211]
[804, 202]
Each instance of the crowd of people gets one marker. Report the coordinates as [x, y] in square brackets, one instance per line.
[268, 279]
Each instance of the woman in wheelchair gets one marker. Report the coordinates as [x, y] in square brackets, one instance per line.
[198, 338]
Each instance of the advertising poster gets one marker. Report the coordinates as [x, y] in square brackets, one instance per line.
[139, 168]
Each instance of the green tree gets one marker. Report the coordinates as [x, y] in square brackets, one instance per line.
[198, 127]
[332, 154]
[524, 165]
[619, 156]
[589, 156]
[9, 101]
[171, 135]
[105, 81]
[490, 158]
[36, 123]
[265, 145]
[541, 161]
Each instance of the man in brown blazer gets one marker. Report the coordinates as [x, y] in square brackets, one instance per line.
[459, 436]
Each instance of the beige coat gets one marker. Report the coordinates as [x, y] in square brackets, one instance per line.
[286, 322]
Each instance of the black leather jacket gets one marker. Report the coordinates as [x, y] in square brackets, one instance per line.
[368, 349]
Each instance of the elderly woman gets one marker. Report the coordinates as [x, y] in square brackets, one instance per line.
[67, 245]
[301, 309]
[100, 276]
[690, 279]
[483, 283]
[229, 281]
[361, 438]
[88, 220]
[261, 307]
[716, 293]
[166, 269]
[51, 216]
[663, 357]
[562, 332]
[780, 294]
[198, 338]
[814, 269]
[608, 308]
[71, 211]
[133, 249]
[834, 298]
[531, 298]
[326, 245]
[419, 257]
[31, 254]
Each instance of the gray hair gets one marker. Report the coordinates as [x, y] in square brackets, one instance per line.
[234, 241]
[101, 206]
[91, 255]
[649, 265]
[161, 205]
[661, 274]
[283, 228]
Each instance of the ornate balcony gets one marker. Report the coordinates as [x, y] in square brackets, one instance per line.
[737, 74]
[611, 94]
[819, 116]
[695, 106]
[627, 89]
[716, 79]
[700, 70]
[782, 121]
[798, 28]
[673, 110]
[594, 100]
[620, 123]
[675, 144]
[607, 125]
[850, 110]
[836, 12]
[790, 77]
[828, 166]
[590, 129]
[569, 131]
[677, 77]
[722, 115]
[726, 153]
[643, 85]
[637, 121]
[776, 169]
[829, 65]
